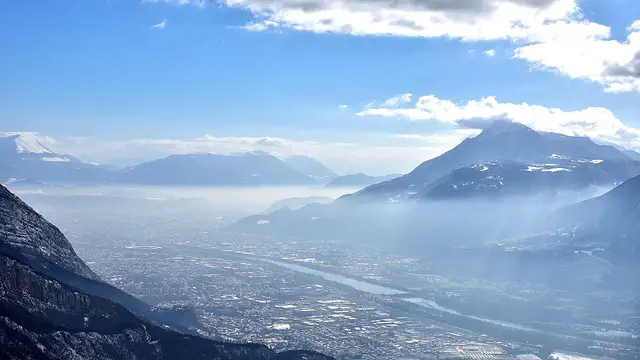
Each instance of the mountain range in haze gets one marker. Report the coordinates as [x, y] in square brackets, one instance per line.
[506, 181]
[310, 167]
[245, 169]
[359, 180]
[26, 160]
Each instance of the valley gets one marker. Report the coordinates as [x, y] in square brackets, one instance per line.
[341, 297]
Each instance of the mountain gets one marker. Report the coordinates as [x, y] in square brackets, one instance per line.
[503, 178]
[43, 316]
[27, 156]
[610, 221]
[500, 140]
[311, 167]
[245, 169]
[630, 153]
[592, 242]
[297, 203]
[359, 180]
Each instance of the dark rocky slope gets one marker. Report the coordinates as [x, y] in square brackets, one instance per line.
[29, 238]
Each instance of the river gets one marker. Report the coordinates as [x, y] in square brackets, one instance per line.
[383, 290]
[353, 283]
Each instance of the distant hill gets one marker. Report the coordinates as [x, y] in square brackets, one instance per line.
[311, 167]
[596, 241]
[245, 169]
[611, 221]
[359, 180]
[297, 203]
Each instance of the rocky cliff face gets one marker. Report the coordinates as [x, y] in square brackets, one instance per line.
[42, 317]
[26, 234]
[29, 238]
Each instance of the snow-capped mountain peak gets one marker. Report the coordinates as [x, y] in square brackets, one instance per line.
[27, 142]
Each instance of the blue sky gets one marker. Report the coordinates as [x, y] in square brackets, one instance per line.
[99, 72]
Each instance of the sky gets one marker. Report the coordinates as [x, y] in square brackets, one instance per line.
[362, 85]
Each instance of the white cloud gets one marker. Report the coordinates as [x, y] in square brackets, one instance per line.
[461, 19]
[344, 106]
[551, 34]
[437, 139]
[369, 105]
[595, 122]
[411, 137]
[490, 52]
[160, 25]
[398, 100]
[596, 58]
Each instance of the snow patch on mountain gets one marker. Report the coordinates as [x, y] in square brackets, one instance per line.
[56, 159]
[28, 142]
[481, 167]
[559, 157]
[546, 168]
[584, 161]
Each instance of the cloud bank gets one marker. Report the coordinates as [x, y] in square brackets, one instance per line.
[598, 123]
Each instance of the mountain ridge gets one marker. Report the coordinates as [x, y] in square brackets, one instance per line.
[311, 167]
[254, 168]
[26, 156]
[405, 207]
[502, 140]
[359, 180]
[506, 177]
